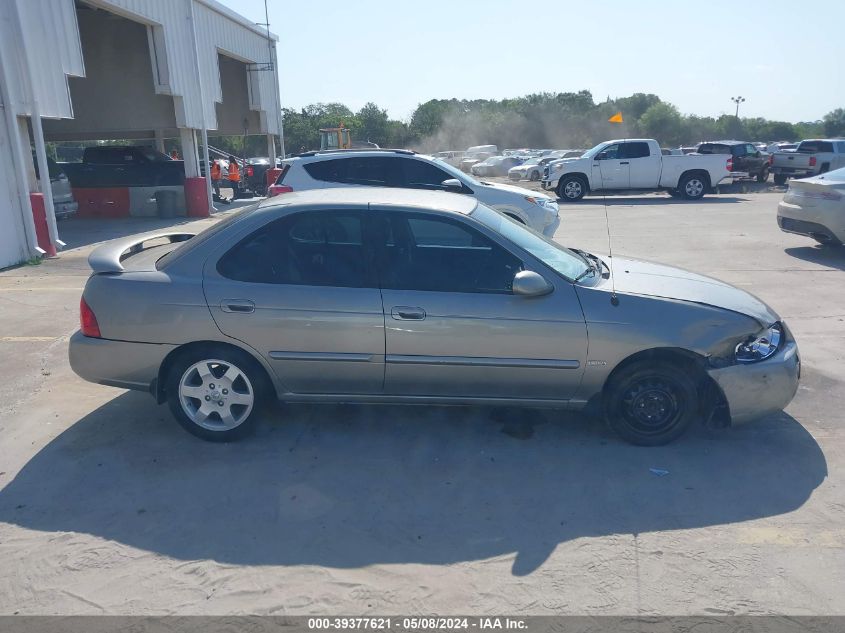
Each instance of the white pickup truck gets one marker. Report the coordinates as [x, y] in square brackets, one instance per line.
[811, 158]
[635, 165]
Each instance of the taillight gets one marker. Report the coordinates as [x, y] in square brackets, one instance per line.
[87, 320]
[729, 165]
[275, 190]
[249, 172]
[812, 161]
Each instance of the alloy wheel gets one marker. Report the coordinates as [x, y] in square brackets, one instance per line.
[216, 395]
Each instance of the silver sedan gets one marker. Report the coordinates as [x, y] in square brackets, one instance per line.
[390, 295]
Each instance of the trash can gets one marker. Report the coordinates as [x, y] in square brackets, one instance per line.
[167, 203]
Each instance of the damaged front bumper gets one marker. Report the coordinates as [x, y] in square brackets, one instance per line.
[753, 390]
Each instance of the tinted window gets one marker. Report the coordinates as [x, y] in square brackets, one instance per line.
[610, 152]
[420, 174]
[814, 147]
[327, 170]
[635, 150]
[751, 149]
[713, 148]
[313, 249]
[437, 254]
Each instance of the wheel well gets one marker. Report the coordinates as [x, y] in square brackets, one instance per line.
[697, 172]
[713, 406]
[583, 177]
[157, 387]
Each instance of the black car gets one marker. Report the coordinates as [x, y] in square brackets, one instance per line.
[254, 174]
[747, 159]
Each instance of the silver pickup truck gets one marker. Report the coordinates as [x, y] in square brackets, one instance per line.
[810, 158]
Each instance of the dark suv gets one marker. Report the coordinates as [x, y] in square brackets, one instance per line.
[747, 159]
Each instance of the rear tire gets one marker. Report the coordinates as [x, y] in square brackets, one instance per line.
[217, 393]
[651, 403]
[535, 175]
[763, 176]
[693, 186]
[571, 188]
[780, 179]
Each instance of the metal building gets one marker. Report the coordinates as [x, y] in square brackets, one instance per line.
[122, 69]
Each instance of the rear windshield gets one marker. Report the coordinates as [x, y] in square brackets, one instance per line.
[814, 147]
[201, 237]
[713, 148]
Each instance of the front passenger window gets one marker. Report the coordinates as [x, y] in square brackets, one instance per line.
[442, 255]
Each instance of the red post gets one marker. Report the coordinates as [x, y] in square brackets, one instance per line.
[196, 198]
[42, 233]
[272, 174]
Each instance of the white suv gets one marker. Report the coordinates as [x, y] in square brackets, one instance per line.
[409, 170]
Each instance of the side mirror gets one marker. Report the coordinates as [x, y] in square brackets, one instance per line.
[453, 184]
[527, 283]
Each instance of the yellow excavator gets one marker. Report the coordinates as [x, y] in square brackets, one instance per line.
[335, 138]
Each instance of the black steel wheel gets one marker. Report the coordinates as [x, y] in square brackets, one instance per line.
[651, 403]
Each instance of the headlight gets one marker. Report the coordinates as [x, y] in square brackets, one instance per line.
[761, 346]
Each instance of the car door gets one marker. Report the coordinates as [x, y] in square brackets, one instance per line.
[301, 291]
[453, 328]
[416, 173]
[644, 168]
[614, 170]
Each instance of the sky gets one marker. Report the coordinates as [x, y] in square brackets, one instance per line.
[785, 57]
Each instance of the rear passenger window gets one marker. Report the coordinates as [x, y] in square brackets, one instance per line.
[327, 170]
[635, 150]
[311, 249]
[440, 255]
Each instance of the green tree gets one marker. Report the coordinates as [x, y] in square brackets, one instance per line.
[663, 122]
[834, 122]
[373, 124]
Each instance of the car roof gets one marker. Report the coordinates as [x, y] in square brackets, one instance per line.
[726, 143]
[338, 197]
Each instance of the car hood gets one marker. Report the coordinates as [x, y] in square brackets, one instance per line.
[520, 191]
[633, 276]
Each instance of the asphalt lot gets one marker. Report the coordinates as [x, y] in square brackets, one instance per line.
[107, 506]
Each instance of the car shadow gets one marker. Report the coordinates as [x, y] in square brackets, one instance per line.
[832, 256]
[350, 486]
[651, 200]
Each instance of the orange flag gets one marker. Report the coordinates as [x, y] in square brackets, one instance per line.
[616, 118]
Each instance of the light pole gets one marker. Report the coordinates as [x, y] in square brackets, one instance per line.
[737, 101]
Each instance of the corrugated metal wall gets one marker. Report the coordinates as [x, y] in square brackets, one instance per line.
[54, 53]
[217, 29]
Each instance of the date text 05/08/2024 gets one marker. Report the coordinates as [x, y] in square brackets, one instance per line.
[416, 623]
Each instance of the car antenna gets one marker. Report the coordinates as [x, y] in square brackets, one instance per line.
[614, 300]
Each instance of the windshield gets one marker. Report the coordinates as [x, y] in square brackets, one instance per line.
[561, 259]
[454, 172]
[595, 150]
[532, 161]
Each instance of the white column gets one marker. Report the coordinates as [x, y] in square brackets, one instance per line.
[189, 152]
[159, 141]
[271, 149]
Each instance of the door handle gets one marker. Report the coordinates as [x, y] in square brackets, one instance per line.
[407, 313]
[625, 163]
[243, 306]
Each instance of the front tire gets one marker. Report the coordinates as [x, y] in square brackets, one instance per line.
[571, 188]
[651, 403]
[535, 176]
[217, 393]
[780, 180]
[763, 176]
[692, 187]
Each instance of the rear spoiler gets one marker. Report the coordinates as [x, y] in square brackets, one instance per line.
[108, 258]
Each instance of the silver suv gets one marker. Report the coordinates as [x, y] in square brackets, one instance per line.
[408, 170]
